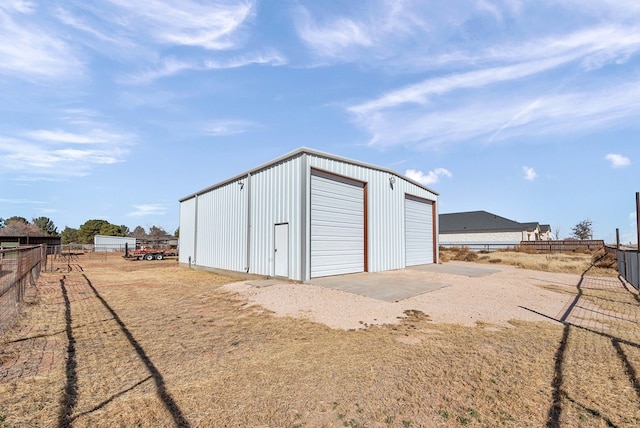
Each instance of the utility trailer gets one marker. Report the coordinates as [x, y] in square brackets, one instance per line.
[148, 254]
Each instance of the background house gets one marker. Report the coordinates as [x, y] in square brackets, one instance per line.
[481, 229]
[310, 214]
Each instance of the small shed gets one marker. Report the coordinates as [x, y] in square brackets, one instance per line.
[310, 214]
[102, 243]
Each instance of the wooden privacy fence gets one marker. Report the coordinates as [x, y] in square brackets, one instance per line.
[562, 246]
[18, 267]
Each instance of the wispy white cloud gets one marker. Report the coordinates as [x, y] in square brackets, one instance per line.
[370, 32]
[92, 136]
[148, 210]
[21, 6]
[19, 201]
[226, 127]
[420, 93]
[335, 38]
[30, 52]
[561, 79]
[69, 18]
[215, 25]
[172, 66]
[489, 117]
[617, 160]
[529, 173]
[43, 154]
[430, 177]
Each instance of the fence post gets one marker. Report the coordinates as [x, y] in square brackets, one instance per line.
[638, 218]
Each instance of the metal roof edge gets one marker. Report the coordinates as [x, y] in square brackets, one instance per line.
[299, 152]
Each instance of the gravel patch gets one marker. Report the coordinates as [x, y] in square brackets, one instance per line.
[507, 294]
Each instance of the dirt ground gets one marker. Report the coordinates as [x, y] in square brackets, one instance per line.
[510, 294]
[111, 343]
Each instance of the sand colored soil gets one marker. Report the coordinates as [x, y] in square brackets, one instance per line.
[509, 294]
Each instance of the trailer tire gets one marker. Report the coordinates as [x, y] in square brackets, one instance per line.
[159, 257]
[149, 257]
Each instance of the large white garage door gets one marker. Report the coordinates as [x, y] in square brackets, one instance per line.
[418, 232]
[337, 226]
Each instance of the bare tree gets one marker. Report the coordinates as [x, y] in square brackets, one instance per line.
[20, 228]
[583, 230]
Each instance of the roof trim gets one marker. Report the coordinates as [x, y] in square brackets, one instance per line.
[298, 152]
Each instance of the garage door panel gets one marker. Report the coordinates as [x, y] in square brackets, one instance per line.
[418, 232]
[337, 227]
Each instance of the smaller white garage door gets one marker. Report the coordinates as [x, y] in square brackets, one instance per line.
[337, 226]
[418, 231]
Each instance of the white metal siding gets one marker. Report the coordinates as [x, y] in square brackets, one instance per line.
[221, 227]
[494, 238]
[281, 193]
[385, 211]
[418, 232]
[276, 198]
[337, 227]
[104, 243]
[186, 240]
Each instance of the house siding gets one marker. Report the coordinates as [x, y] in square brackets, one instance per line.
[489, 238]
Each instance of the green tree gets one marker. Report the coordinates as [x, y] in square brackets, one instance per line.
[69, 235]
[16, 218]
[109, 229]
[45, 225]
[583, 230]
[91, 228]
[177, 232]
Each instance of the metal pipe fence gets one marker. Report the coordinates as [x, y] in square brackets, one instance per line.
[19, 267]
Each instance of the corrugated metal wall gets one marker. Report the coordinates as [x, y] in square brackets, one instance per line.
[103, 243]
[214, 224]
[221, 236]
[276, 198]
[385, 210]
[186, 242]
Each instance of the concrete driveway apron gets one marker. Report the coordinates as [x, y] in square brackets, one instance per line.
[391, 287]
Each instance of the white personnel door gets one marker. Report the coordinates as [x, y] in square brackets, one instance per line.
[281, 250]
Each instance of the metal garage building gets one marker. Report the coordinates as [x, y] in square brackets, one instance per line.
[104, 243]
[309, 214]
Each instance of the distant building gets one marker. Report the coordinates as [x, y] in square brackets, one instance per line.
[102, 243]
[52, 242]
[478, 229]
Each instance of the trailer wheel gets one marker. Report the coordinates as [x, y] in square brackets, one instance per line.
[159, 257]
[149, 257]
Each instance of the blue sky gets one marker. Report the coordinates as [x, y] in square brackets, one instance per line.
[115, 109]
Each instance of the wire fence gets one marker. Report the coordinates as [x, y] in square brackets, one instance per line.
[19, 267]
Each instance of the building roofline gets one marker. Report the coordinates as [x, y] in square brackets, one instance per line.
[507, 226]
[298, 152]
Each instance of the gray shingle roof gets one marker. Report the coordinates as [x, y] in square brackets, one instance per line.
[480, 221]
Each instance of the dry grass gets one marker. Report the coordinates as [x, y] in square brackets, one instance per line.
[117, 343]
[597, 263]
